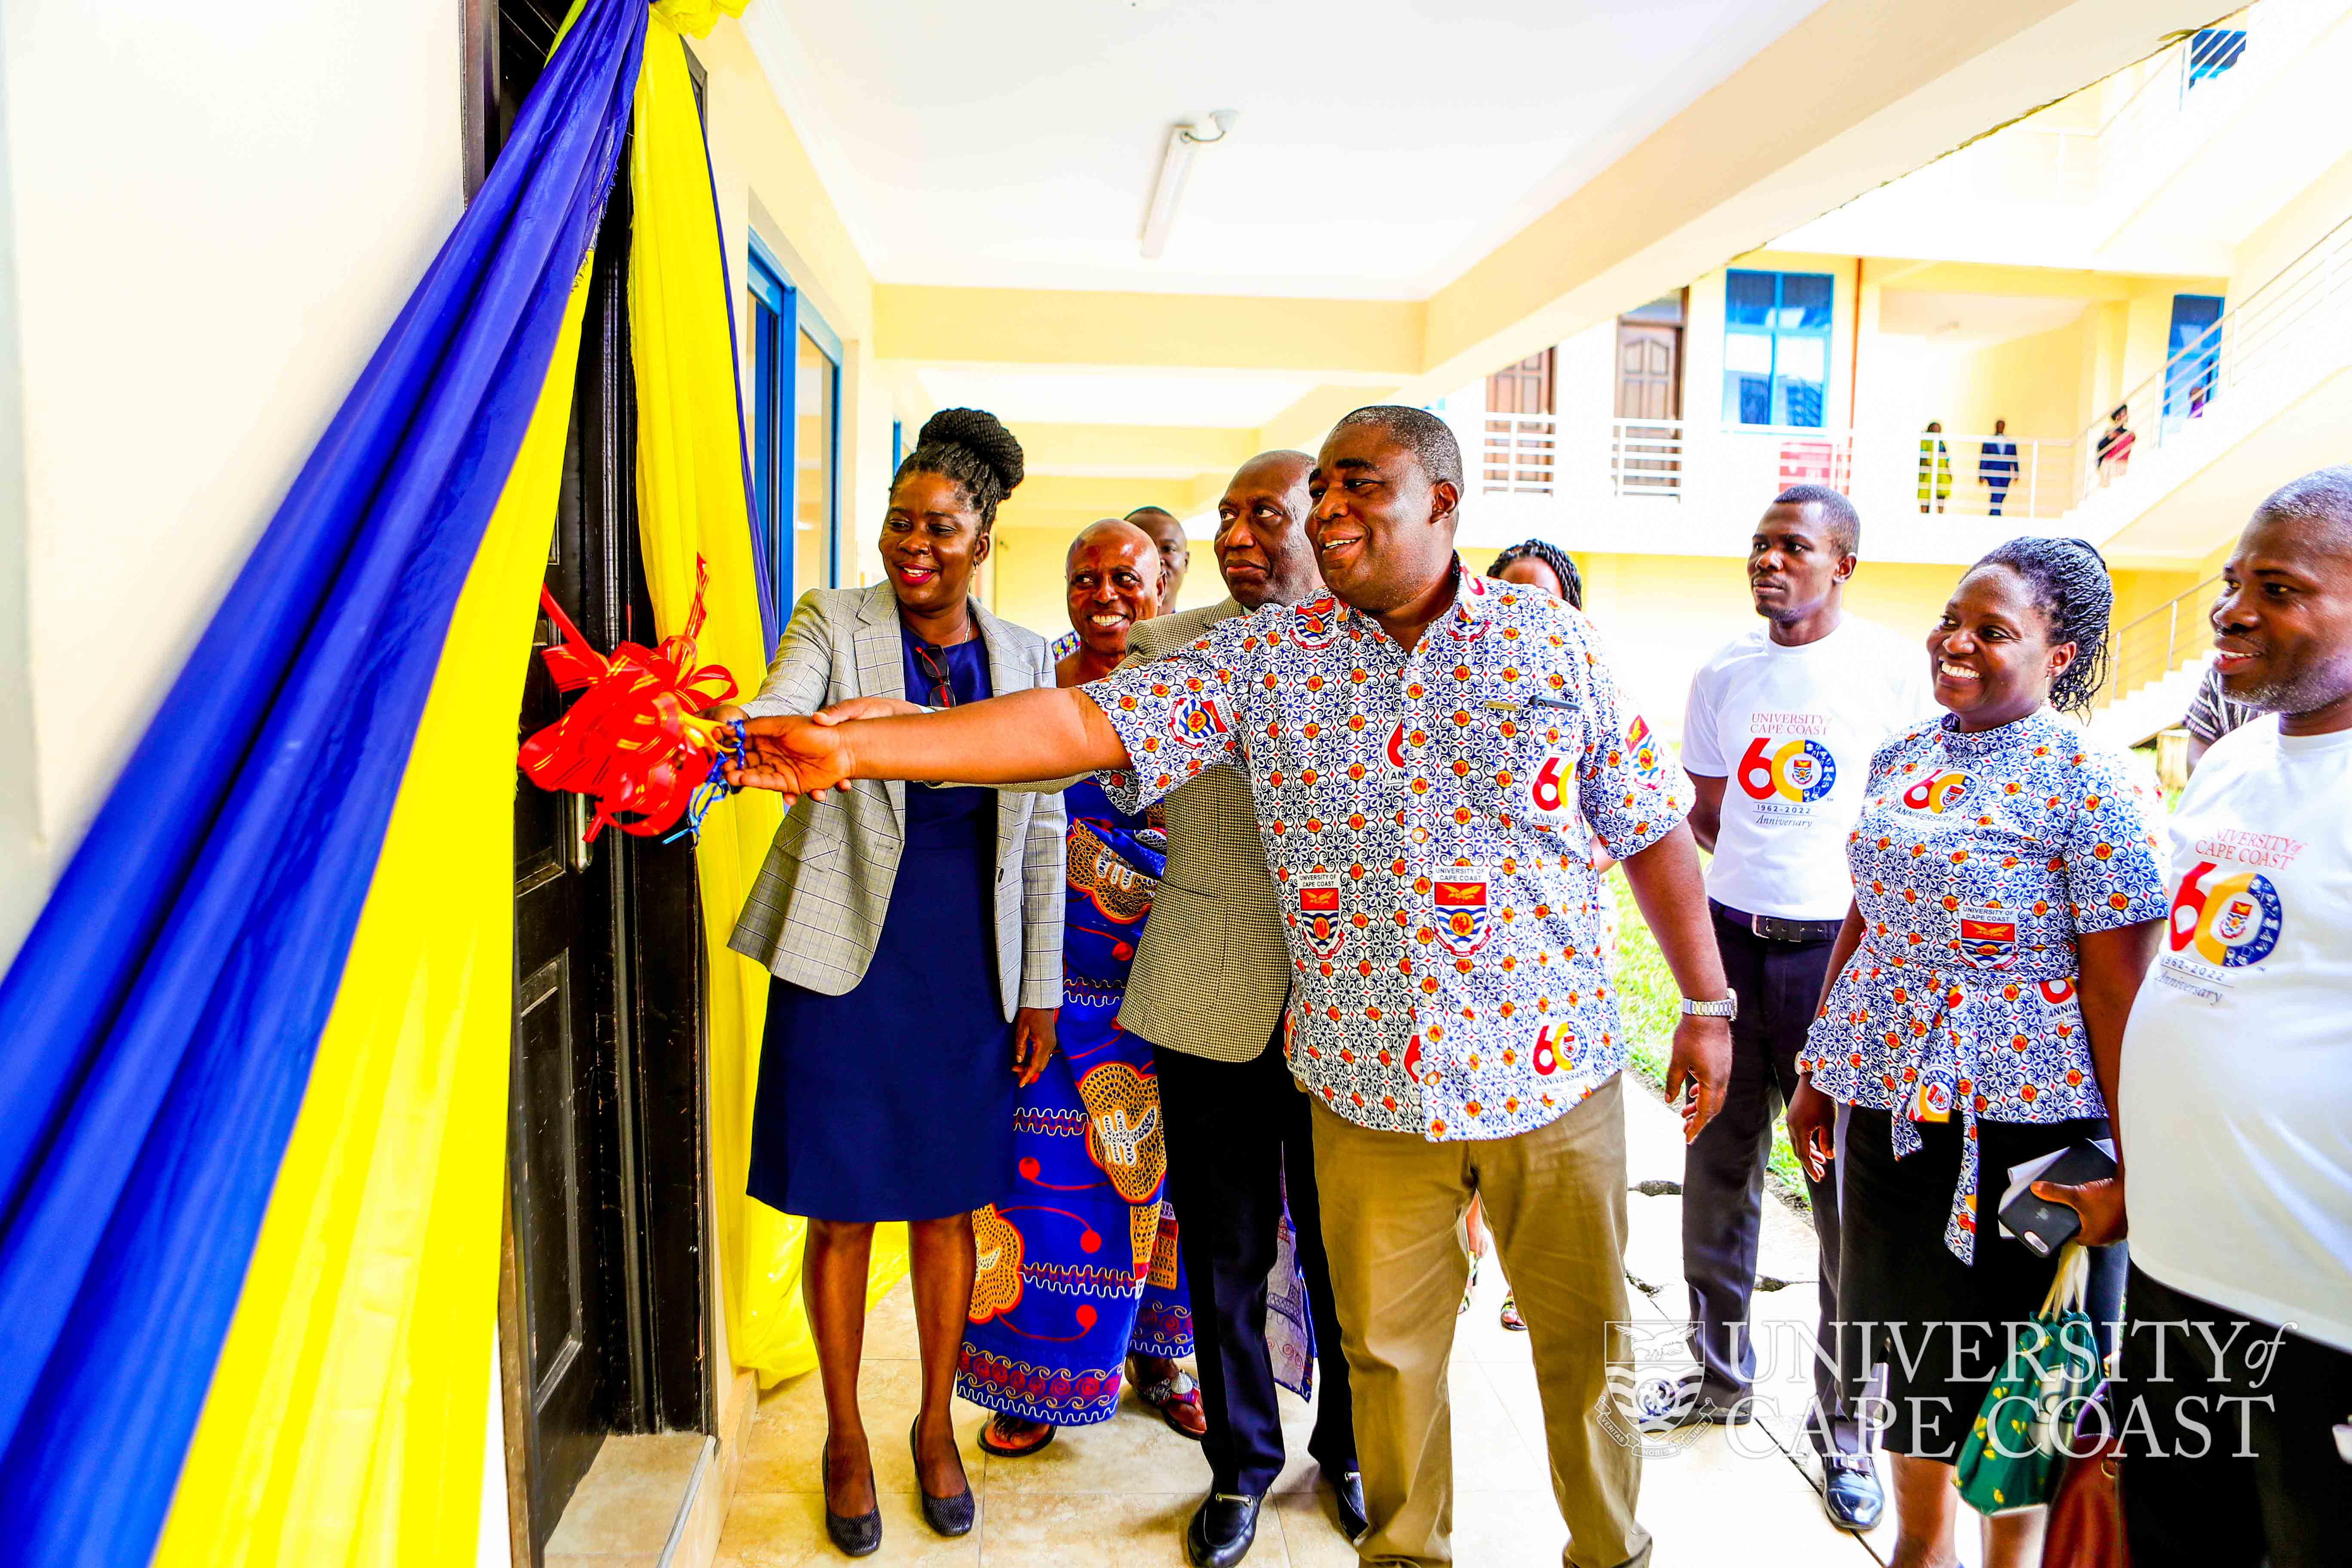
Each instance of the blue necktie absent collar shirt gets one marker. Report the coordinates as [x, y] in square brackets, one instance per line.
[1429, 818]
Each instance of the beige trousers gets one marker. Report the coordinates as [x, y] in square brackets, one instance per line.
[1555, 1201]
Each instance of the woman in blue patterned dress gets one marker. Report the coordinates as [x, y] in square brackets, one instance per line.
[1078, 1275]
[2008, 882]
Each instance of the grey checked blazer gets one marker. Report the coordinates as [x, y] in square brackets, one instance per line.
[1214, 969]
[815, 912]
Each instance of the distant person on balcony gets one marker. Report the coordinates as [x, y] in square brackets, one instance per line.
[1935, 468]
[1997, 465]
[2116, 446]
[2010, 889]
[2211, 715]
[1777, 739]
[2237, 1091]
[1175, 550]
[1540, 564]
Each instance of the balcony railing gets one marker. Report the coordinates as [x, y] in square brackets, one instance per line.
[2147, 649]
[2300, 319]
[1990, 476]
[1522, 453]
[1674, 459]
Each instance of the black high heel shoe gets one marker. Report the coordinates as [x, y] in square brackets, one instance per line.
[857, 1536]
[948, 1516]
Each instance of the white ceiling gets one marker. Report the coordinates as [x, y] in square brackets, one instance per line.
[1972, 320]
[1115, 397]
[1383, 145]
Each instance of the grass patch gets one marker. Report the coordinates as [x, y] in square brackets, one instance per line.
[1650, 1004]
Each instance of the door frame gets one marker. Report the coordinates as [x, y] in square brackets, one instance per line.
[656, 1009]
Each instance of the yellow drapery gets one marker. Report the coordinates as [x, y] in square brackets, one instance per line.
[344, 1421]
[690, 503]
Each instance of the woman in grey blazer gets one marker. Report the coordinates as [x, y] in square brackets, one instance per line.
[915, 940]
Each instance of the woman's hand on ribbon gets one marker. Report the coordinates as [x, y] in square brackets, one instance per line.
[866, 707]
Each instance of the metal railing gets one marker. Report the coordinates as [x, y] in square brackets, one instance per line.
[2154, 645]
[1993, 476]
[1521, 454]
[2302, 318]
[1646, 457]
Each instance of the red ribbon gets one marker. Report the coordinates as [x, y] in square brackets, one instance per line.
[632, 742]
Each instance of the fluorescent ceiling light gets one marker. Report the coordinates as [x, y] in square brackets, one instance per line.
[1175, 168]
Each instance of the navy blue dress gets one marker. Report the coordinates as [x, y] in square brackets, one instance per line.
[894, 1100]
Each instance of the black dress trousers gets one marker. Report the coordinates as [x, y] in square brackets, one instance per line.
[1779, 987]
[1235, 1132]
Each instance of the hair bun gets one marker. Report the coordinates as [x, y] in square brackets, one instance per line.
[980, 433]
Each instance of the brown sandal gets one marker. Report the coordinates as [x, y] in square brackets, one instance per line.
[1004, 1451]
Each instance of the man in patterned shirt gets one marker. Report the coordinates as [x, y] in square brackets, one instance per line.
[1432, 757]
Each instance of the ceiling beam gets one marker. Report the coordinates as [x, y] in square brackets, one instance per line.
[1858, 93]
[1374, 340]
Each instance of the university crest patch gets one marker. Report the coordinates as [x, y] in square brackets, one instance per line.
[1319, 921]
[1462, 922]
[1198, 719]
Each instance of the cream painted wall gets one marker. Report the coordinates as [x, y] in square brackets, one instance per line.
[2291, 230]
[215, 215]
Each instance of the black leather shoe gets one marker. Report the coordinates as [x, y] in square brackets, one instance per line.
[859, 1537]
[1851, 1494]
[1348, 1491]
[1222, 1529]
[947, 1515]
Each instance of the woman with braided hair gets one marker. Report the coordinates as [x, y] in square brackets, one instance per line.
[2009, 886]
[915, 938]
[1539, 564]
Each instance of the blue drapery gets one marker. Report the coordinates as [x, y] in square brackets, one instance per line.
[161, 1018]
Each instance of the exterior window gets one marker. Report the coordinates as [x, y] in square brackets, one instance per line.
[2193, 355]
[1776, 348]
[795, 439]
[2214, 50]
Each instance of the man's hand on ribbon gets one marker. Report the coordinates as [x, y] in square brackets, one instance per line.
[794, 756]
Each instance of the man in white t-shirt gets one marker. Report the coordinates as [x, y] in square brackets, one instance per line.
[1777, 740]
[2236, 1091]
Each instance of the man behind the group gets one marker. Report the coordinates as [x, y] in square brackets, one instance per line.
[1210, 976]
[1777, 740]
[1175, 550]
[2237, 1091]
[1425, 752]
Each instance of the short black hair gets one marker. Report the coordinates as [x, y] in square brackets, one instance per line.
[1428, 438]
[2321, 501]
[1845, 523]
[2069, 581]
[971, 446]
[1552, 555]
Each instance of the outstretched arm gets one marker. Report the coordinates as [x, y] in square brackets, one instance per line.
[1041, 733]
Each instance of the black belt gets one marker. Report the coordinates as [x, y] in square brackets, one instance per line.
[1772, 928]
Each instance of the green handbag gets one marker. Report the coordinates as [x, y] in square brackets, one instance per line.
[2014, 1454]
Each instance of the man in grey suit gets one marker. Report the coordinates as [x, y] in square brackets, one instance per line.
[1211, 978]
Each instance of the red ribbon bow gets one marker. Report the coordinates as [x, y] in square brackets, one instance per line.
[632, 742]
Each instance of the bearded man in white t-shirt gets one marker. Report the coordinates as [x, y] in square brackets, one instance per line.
[2236, 1115]
[1777, 740]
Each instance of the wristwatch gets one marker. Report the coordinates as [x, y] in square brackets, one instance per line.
[1726, 1008]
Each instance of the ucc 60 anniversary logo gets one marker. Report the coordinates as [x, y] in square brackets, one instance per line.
[1796, 769]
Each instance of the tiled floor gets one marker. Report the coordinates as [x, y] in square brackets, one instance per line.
[1120, 1494]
